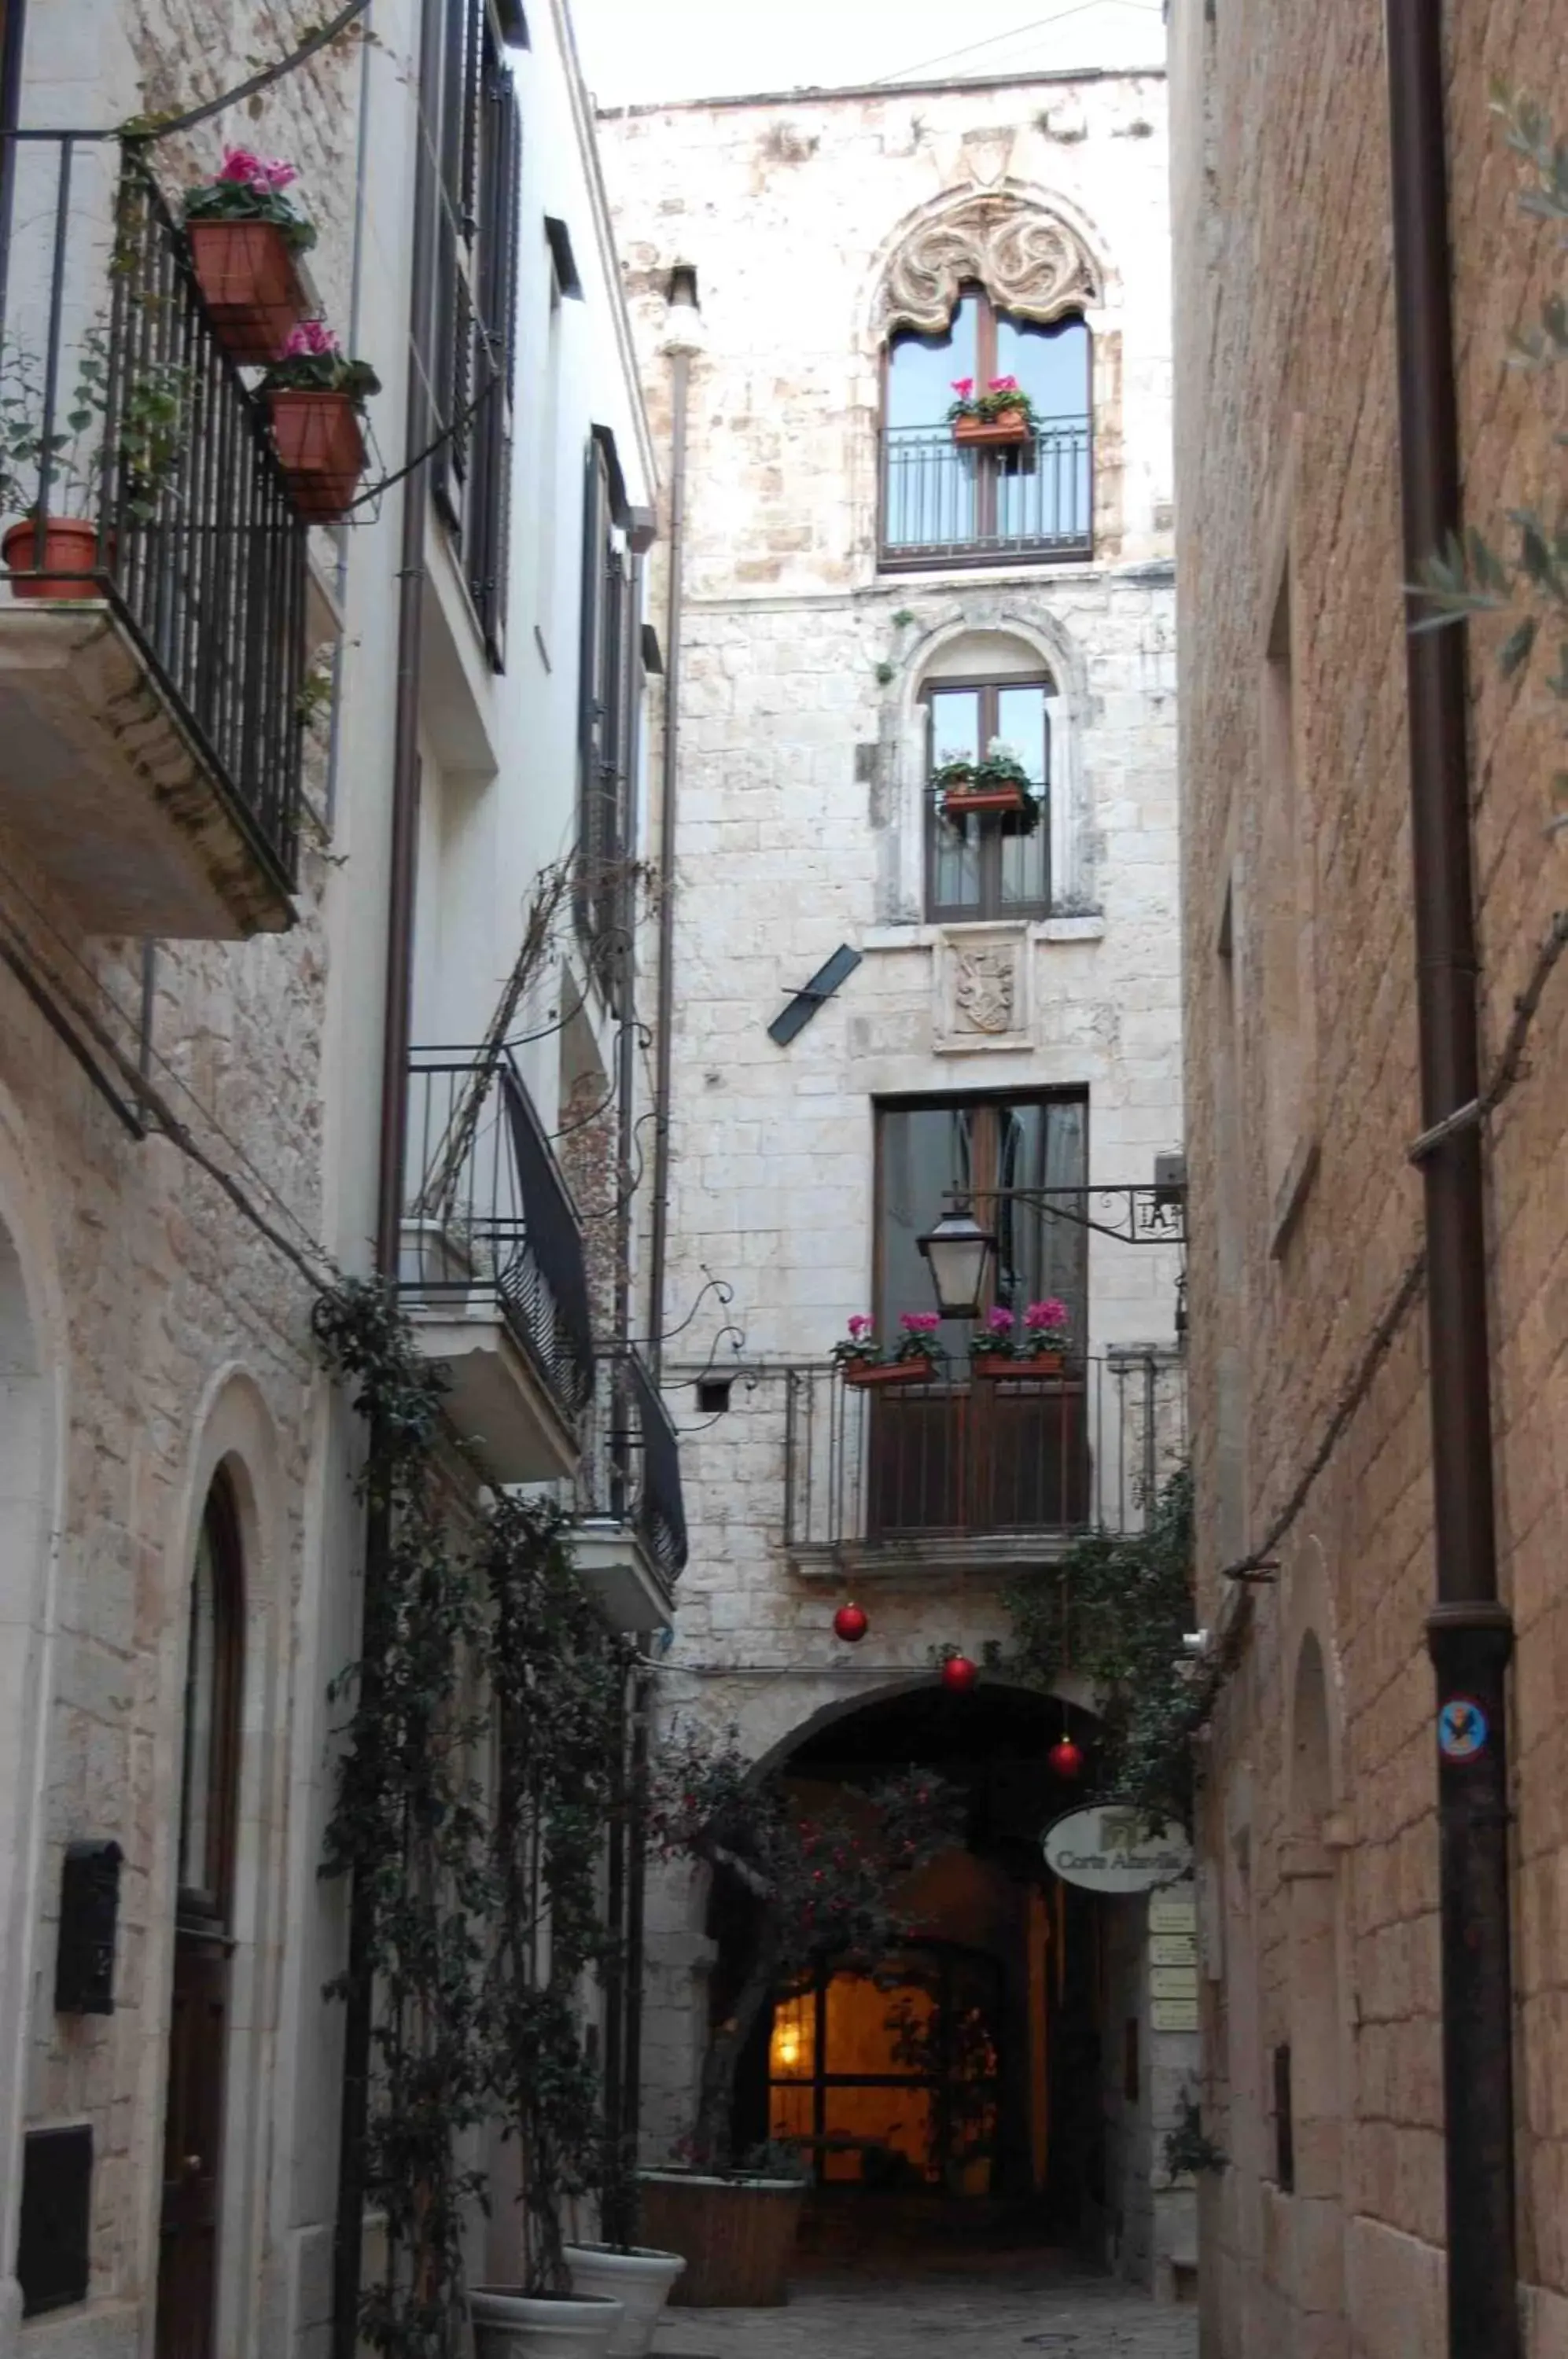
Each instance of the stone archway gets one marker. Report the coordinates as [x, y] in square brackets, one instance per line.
[1314, 2072]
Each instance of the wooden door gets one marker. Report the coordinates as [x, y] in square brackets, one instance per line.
[198, 2035]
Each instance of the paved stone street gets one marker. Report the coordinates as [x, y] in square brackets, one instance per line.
[1036, 2313]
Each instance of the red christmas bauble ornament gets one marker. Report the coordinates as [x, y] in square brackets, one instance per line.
[851, 1623]
[1066, 1758]
[959, 1674]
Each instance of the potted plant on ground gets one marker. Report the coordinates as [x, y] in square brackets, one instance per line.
[66, 476]
[244, 235]
[1001, 416]
[315, 398]
[820, 1891]
[617, 2268]
[558, 1685]
[1037, 1345]
[912, 1360]
[998, 786]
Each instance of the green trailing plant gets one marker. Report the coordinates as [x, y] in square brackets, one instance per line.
[1114, 1611]
[885, 674]
[559, 1685]
[818, 1887]
[1518, 571]
[151, 429]
[1189, 2149]
[470, 1811]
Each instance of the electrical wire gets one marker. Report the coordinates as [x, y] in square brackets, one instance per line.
[993, 40]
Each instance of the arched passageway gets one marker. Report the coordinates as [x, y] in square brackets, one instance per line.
[972, 2080]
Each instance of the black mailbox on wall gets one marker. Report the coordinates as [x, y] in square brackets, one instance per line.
[53, 2243]
[89, 1914]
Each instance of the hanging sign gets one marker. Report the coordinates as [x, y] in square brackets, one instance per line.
[1110, 1850]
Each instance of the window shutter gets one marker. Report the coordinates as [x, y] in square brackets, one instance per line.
[495, 359]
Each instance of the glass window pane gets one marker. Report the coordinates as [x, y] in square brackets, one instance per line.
[1039, 1254]
[881, 2136]
[1051, 364]
[1025, 859]
[956, 844]
[925, 1151]
[1045, 495]
[921, 369]
[197, 1869]
[792, 2051]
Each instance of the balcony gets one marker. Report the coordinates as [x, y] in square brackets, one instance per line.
[960, 1475]
[630, 1538]
[492, 1272]
[945, 505]
[150, 678]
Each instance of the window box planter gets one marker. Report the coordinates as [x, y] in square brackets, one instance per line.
[737, 2235]
[865, 1373]
[321, 449]
[69, 543]
[960, 802]
[1003, 1367]
[1001, 433]
[250, 284]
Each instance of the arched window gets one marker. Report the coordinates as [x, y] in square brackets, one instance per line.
[209, 1755]
[946, 501]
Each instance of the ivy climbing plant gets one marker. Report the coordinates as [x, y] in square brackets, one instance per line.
[1114, 1610]
[473, 1798]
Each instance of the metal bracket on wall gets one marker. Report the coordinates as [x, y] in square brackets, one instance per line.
[811, 996]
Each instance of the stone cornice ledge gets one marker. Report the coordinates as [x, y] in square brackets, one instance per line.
[1090, 927]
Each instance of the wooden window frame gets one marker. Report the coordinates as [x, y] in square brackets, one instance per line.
[990, 908]
[608, 715]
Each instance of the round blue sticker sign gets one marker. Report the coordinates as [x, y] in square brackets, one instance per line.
[1462, 1729]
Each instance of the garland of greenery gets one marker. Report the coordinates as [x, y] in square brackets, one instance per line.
[1114, 1610]
[478, 1920]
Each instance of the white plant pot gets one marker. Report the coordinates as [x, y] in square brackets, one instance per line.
[534, 2326]
[639, 2280]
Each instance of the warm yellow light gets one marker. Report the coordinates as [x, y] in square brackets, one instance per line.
[788, 2048]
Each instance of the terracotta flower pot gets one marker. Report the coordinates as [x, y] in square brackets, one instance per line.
[992, 433]
[321, 449]
[864, 1373]
[958, 802]
[69, 543]
[249, 285]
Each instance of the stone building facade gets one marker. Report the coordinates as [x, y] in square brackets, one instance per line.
[843, 572]
[1321, 1948]
[192, 1018]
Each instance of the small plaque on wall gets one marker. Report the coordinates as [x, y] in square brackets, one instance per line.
[1173, 2014]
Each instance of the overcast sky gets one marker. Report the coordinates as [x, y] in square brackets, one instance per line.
[639, 50]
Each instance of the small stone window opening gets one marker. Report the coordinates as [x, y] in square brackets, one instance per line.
[713, 1395]
[986, 866]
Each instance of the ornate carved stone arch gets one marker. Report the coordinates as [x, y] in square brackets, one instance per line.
[1030, 261]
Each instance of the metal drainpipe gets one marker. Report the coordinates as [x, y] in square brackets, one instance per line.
[349, 2231]
[1469, 1630]
[659, 1244]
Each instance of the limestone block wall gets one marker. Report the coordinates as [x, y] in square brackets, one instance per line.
[799, 823]
[1320, 1793]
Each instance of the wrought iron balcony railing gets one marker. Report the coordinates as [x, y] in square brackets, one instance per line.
[958, 1457]
[488, 1216]
[947, 504]
[119, 409]
[631, 1469]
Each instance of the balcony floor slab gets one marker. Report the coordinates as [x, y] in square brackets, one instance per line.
[497, 1399]
[112, 798]
[916, 1560]
[619, 1575]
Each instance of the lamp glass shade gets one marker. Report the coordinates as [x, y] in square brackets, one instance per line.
[958, 1251]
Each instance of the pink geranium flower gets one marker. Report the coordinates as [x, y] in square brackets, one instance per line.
[921, 1323]
[1040, 1317]
[860, 1326]
[312, 338]
[278, 174]
[999, 1318]
[964, 387]
[241, 165]
[1004, 385]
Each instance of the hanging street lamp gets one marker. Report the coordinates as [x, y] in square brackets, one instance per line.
[958, 1252]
